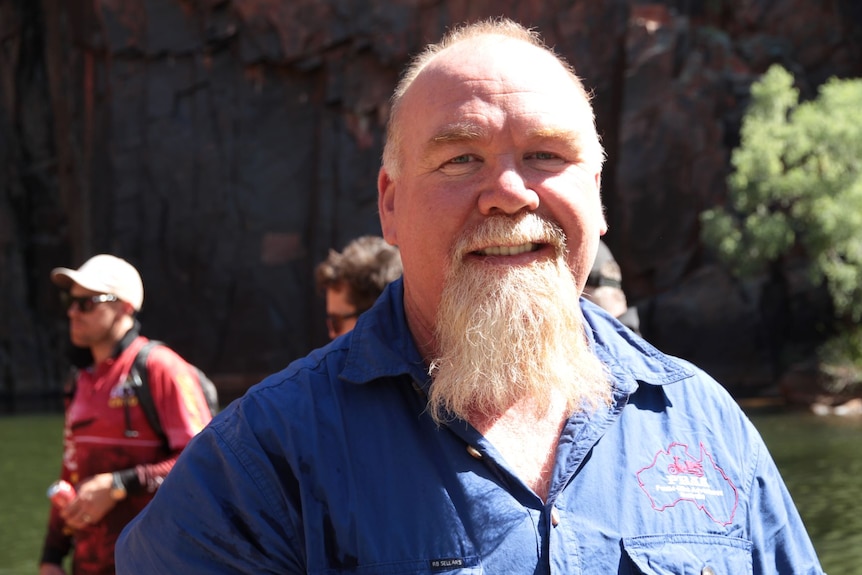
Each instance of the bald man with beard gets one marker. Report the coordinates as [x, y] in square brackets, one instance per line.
[477, 419]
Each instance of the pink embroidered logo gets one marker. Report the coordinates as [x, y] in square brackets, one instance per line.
[677, 477]
[686, 467]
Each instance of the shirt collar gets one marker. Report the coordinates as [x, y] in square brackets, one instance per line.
[127, 339]
[627, 355]
[381, 344]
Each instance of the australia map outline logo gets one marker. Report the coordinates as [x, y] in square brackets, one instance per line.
[676, 477]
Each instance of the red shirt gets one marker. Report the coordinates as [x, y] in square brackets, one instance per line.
[106, 431]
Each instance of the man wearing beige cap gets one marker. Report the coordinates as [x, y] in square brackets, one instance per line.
[112, 456]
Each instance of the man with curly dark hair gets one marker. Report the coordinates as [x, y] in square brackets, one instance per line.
[353, 279]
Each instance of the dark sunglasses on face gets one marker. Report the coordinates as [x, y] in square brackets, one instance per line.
[335, 322]
[85, 303]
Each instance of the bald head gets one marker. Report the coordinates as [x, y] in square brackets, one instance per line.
[508, 41]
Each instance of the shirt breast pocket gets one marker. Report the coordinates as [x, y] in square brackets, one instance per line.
[689, 554]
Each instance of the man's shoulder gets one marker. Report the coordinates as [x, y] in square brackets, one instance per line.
[322, 385]
[680, 379]
[158, 357]
[314, 374]
[295, 408]
[699, 394]
[627, 352]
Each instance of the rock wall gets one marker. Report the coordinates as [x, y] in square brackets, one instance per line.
[223, 146]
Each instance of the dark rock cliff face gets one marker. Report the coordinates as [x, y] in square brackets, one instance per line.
[224, 146]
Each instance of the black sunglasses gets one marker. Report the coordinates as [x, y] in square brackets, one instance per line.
[85, 303]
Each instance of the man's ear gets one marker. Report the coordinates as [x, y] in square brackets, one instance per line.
[386, 206]
[603, 229]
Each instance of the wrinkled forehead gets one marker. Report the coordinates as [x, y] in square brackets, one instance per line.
[500, 59]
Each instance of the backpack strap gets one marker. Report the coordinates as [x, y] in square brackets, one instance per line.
[137, 385]
[138, 377]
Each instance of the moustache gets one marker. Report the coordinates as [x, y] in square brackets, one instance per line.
[508, 230]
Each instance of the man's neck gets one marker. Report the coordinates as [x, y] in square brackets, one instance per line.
[421, 329]
[104, 349]
[527, 439]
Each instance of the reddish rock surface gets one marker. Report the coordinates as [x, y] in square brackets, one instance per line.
[224, 146]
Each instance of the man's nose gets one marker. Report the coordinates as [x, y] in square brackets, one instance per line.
[507, 192]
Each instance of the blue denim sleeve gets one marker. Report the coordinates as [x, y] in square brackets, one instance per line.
[781, 542]
[221, 510]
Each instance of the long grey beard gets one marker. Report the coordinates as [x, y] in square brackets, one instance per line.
[511, 333]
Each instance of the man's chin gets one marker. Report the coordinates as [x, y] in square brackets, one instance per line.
[78, 340]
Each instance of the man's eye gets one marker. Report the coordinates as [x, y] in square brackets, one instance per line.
[460, 165]
[543, 156]
[462, 159]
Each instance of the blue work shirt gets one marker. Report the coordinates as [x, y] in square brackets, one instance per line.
[334, 466]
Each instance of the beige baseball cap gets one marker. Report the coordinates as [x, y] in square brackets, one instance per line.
[104, 273]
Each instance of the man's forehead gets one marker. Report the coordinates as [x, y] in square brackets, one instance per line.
[475, 69]
[492, 56]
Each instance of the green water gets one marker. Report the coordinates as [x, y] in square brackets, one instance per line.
[821, 461]
[820, 458]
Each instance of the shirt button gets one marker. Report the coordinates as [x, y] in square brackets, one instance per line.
[555, 519]
[474, 452]
[707, 571]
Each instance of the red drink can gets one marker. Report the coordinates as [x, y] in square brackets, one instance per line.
[61, 493]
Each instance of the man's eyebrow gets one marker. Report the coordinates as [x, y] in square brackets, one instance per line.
[568, 136]
[460, 132]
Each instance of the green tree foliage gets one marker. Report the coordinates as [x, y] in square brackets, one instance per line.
[797, 185]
